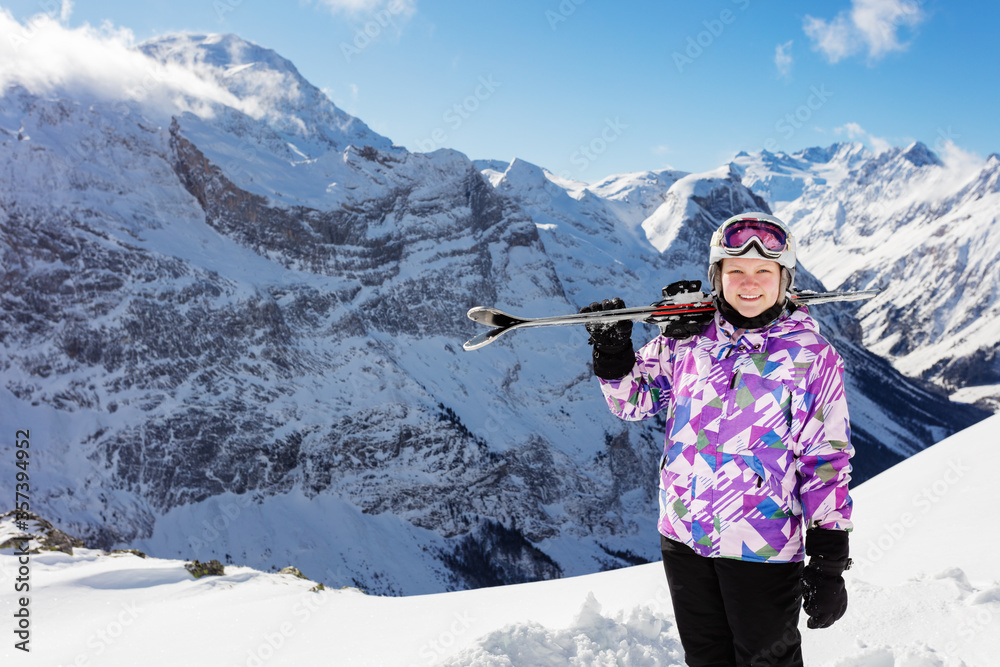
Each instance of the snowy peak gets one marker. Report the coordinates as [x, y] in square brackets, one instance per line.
[782, 177]
[531, 186]
[920, 155]
[521, 174]
[847, 153]
[695, 205]
[985, 182]
[266, 87]
[636, 186]
[225, 53]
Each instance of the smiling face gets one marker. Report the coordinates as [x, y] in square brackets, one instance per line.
[750, 285]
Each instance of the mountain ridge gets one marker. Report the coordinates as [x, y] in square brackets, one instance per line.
[208, 328]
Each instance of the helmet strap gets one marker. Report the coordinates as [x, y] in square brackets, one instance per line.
[785, 284]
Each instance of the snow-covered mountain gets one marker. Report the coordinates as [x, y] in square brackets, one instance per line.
[651, 228]
[232, 320]
[924, 591]
[922, 226]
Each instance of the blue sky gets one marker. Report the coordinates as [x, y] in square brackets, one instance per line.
[588, 88]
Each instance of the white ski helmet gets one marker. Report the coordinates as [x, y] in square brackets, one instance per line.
[754, 235]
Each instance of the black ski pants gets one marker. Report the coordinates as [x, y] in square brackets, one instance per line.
[734, 613]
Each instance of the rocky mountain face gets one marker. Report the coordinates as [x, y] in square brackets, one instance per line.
[234, 330]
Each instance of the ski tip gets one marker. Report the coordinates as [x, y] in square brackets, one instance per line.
[482, 313]
[471, 345]
[492, 317]
[482, 340]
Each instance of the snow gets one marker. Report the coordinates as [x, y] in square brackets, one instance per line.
[924, 592]
[982, 393]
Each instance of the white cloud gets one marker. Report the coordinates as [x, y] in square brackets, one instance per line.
[870, 26]
[855, 132]
[960, 161]
[102, 64]
[852, 130]
[783, 59]
[402, 8]
[65, 10]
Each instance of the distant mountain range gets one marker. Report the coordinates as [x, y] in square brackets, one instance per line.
[233, 325]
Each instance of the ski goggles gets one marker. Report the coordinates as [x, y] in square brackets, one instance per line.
[735, 239]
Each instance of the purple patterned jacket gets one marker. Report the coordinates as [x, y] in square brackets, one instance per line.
[758, 437]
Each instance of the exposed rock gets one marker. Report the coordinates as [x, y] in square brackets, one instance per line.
[212, 568]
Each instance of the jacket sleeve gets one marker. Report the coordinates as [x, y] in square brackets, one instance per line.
[824, 448]
[645, 390]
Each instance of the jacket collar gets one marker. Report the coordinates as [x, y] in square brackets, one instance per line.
[755, 338]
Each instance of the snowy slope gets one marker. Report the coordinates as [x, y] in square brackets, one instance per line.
[925, 592]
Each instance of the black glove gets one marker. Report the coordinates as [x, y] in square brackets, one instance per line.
[614, 355]
[689, 324]
[824, 597]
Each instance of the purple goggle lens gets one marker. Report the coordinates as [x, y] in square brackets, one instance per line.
[768, 235]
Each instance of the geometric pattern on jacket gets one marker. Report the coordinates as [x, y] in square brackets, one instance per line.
[758, 440]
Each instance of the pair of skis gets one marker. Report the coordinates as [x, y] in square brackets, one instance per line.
[670, 309]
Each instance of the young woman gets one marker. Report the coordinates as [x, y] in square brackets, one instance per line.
[755, 469]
